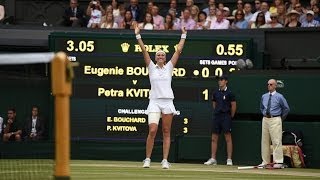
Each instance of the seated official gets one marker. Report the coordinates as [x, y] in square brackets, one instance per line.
[12, 129]
[34, 126]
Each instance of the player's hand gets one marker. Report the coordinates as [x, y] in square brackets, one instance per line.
[183, 29]
[136, 28]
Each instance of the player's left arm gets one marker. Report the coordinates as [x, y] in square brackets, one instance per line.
[176, 54]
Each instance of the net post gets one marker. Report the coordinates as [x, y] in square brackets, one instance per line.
[61, 90]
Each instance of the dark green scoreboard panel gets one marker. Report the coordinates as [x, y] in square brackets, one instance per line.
[111, 87]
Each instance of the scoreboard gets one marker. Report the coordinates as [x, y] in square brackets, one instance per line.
[111, 85]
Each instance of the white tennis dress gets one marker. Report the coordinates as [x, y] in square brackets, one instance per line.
[161, 94]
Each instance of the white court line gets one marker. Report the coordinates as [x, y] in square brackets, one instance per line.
[213, 169]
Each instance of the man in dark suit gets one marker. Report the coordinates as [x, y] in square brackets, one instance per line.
[74, 16]
[136, 10]
[34, 127]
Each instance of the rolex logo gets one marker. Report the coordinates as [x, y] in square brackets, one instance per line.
[125, 47]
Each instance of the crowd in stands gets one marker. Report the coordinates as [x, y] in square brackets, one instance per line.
[31, 129]
[214, 15]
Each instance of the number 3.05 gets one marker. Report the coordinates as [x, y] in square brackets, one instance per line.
[82, 46]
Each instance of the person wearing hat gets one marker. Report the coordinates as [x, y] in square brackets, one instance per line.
[224, 106]
[274, 21]
[293, 17]
[310, 22]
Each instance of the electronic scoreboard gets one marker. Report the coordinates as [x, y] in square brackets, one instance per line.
[111, 85]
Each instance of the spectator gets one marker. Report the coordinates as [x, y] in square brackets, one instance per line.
[34, 127]
[282, 14]
[239, 7]
[158, 20]
[257, 5]
[187, 21]
[1, 127]
[2, 11]
[109, 9]
[119, 19]
[147, 23]
[136, 11]
[220, 6]
[73, 15]
[274, 6]
[300, 10]
[212, 14]
[226, 14]
[95, 15]
[128, 20]
[260, 21]
[274, 21]
[173, 7]
[175, 19]
[115, 7]
[149, 7]
[203, 23]
[194, 12]
[96, 3]
[189, 4]
[239, 21]
[221, 22]
[315, 9]
[293, 19]
[313, 3]
[12, 129]
[169, 24]
[310, 22]
[265, 10]
[109, 23]
[207, 9]
[247, 11]
[292, 5]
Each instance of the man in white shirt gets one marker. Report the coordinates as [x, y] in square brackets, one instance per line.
[221, 22]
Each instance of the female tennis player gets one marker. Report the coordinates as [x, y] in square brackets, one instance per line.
[161, 96]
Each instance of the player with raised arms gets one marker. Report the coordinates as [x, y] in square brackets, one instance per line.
[161, 96]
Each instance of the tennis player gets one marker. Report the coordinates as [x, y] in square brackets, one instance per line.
[160, 97]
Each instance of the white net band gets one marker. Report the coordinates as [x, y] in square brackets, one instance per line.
[26, 58]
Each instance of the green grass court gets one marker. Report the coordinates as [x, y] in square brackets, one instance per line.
[119, 170]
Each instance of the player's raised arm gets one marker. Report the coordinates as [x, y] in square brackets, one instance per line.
[145, 53]
[176, 54]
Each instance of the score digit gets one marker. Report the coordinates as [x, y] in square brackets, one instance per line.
[206, 94]
[70, 45]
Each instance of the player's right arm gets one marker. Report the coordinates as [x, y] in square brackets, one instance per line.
[145, 53]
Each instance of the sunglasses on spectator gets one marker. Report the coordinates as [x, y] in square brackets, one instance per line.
[257, 3]
[270, 84]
